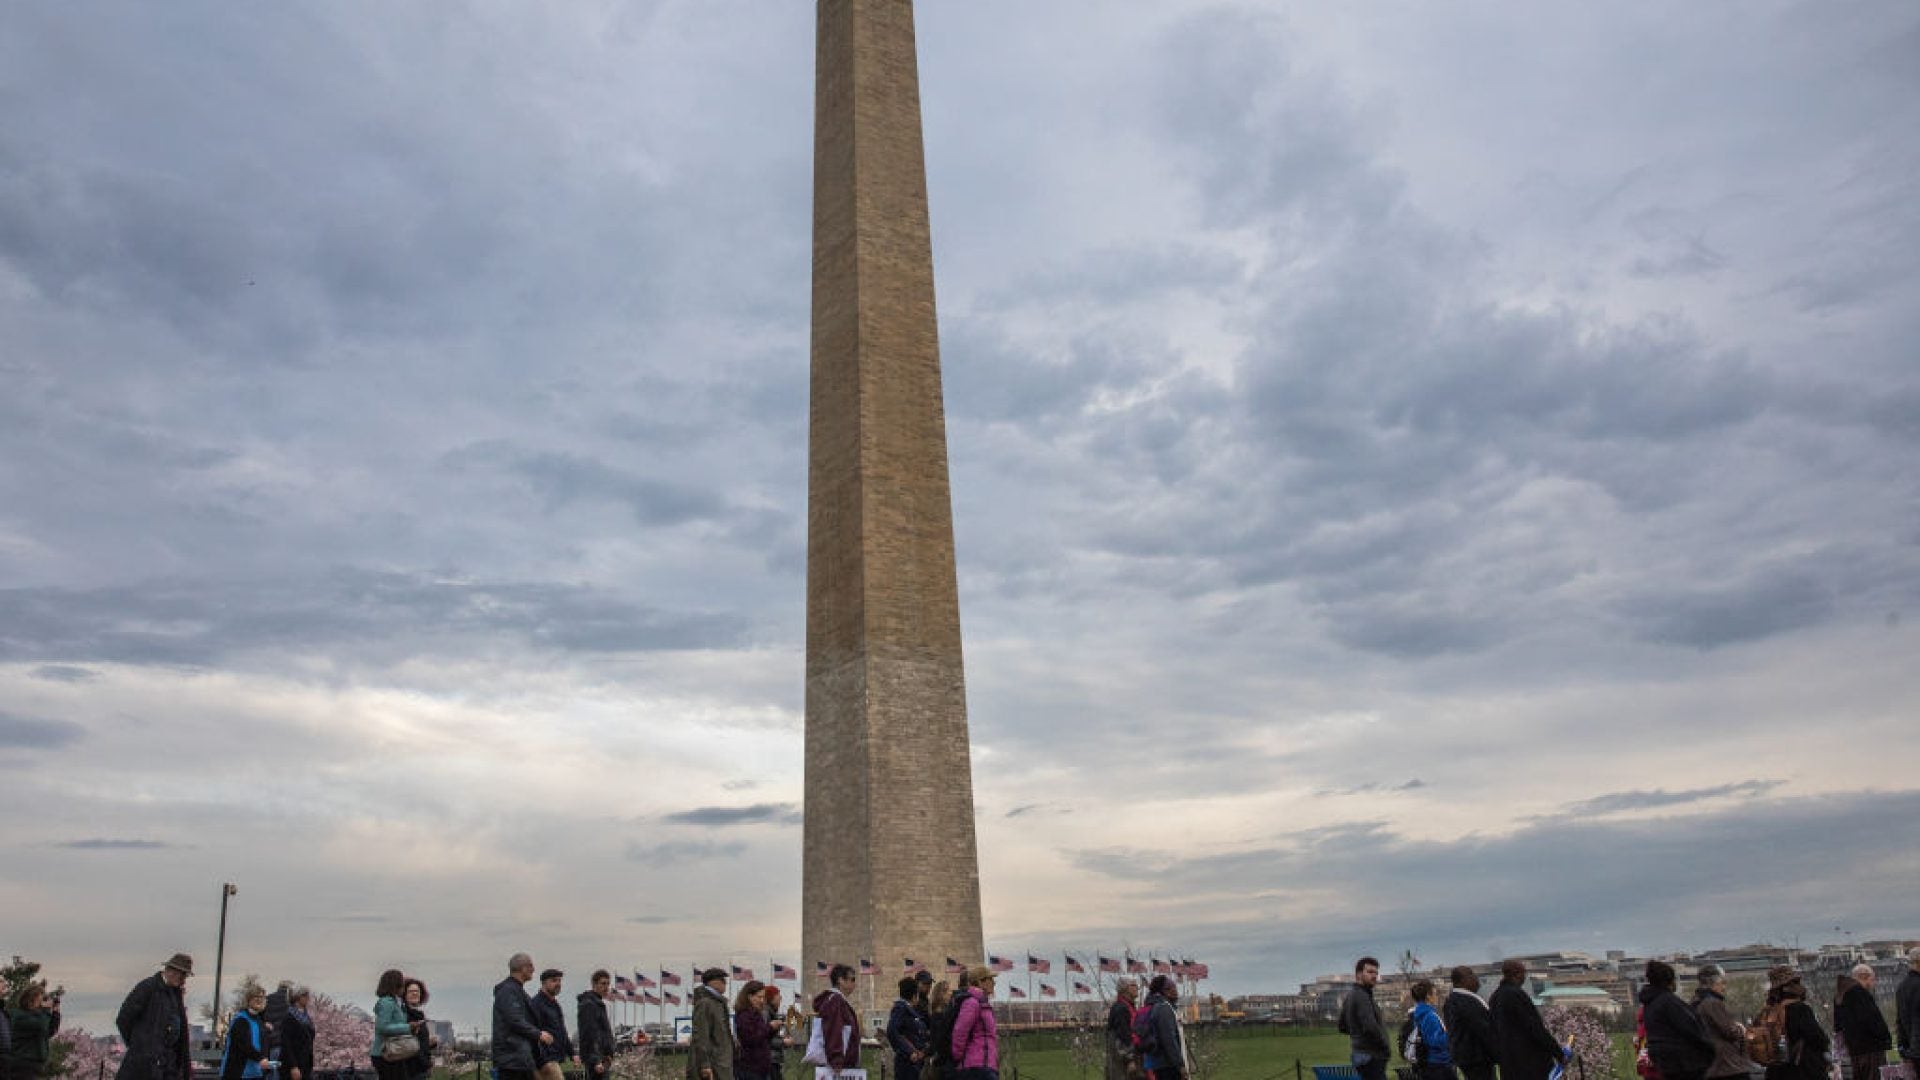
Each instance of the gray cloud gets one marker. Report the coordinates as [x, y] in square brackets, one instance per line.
[720, 816]
[1617, 801]
[65, 673]
[29, 733]
[677, 852]
[98, 843]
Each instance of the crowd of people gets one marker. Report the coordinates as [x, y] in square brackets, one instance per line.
[941, 1031]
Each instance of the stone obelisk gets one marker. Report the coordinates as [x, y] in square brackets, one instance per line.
[890, 869]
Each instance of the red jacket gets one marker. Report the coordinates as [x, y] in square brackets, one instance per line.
[839, 1029]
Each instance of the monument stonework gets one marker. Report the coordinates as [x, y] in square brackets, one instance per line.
[890, 868]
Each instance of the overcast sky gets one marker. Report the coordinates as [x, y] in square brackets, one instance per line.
[1425, 476]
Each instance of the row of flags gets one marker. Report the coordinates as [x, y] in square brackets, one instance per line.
[641, 988]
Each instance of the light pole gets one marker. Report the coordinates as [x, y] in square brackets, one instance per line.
[220, 952]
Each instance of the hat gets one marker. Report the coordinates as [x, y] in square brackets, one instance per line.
[1781, 975]
[978, 975]
[924, 978]
[552, 973]
[711, 974]
[181, 963]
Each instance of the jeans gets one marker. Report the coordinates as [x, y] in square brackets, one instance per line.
[1370, 1066]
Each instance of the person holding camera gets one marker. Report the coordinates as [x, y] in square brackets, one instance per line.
[35, 1022]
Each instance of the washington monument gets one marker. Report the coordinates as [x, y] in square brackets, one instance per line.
[890, 870]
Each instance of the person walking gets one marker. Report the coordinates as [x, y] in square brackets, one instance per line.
[1121, 1062]
[6, 1025]
[777, 1032]
[710, 1054]
[976, 1033]
[390, 1025]
[1728, 1035]
[839, 1027]
[1906, 1008]
[1469, 1026]
[35, 1021]
[1794, 1024]
[1857, 1020]
[1163, 1051]
[152, 1023]
[753, 1036]
[596, 1030]
[296, 1036]
[942, 1008]
[1427, 1050]
[245, 1055]
[514, 1033]
[1360, 1022]
[1527, 1050]
[556, 1050]
[907, 1031]
[1676, 1040]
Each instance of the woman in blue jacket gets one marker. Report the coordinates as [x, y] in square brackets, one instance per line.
[246, 1054]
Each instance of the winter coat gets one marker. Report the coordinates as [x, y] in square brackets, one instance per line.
[153, 1026]
[754, 1052]
[33, 1032]
[1729, 1047]
[839, 1029]
[1856, 1016]
[389, 1022]
[246, 1048]
[712, 1045]
[976, 1034]
[1469, 1029]
[1527, 1049]
[1906, 1015]
[1428, 1044]
[907, 1033]
[1119, 1039]
[1360, 1022]
[547, 1016]
[1167, 1051]
[1807, 1046]
[940, 1038]
[296, 1045]
[6, 1035]
[596, 1031]
[1676, 1040]
[420, 1064]
[275, 1014]
[514, 1034]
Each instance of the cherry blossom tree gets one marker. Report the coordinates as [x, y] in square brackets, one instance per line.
[82, 1057]
[1591, 1043]
[342, 1035]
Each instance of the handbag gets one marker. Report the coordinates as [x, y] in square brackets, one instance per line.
[816, 1045]
[400, 1048]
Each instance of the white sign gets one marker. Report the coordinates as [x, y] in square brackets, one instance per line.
[683, 1029]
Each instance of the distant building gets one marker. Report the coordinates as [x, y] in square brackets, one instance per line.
[1579, 997]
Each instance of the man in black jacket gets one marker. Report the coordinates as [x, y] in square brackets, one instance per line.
[1469, 1026]
[596, 1031]
[556, 1051]
[1527, 1050]
[1906, 1008]
[1121, 1062]
[514, 1033]
[1856, 1016]
[1360, 1022]
[153, 1025]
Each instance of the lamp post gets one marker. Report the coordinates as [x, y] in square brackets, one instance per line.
[220, 952]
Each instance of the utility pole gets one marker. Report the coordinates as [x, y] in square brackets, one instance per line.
[220, 952]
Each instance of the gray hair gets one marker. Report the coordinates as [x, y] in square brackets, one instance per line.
[295, 992]
[1913, 956]
[1709, 974]
[1127, 984]
[1861, 969]
[517, 961]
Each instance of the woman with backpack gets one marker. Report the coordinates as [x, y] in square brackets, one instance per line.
[1156, 1031]
[976, 1035]
[1797, 1047]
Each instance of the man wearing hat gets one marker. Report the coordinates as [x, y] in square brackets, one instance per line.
[710, 1053]
[153, 1025]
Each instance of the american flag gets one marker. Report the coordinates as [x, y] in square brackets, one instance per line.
[648, 999]
[1081, 988]
[955, 967]
[1108, 965]
[623, 985]
[998, 963]
[867, 968]
[783, 973]
[642, 981]
[1161, 967]
[1037, 966]
[821, 969]
[668, 978]
[672, 998]
[1135, 967]
[1200, 971]
[1074, 966]
[1048, 991]
[1014, 991]
[740, 972]
[908, 966]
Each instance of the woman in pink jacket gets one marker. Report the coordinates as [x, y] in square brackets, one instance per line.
[976, 1037]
